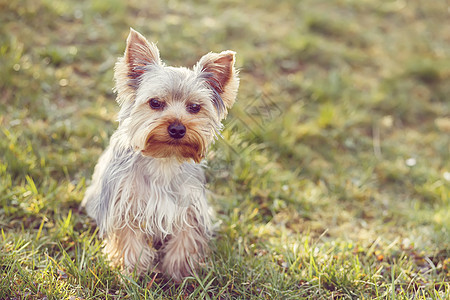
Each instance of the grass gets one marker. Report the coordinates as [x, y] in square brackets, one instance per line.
[332, 179]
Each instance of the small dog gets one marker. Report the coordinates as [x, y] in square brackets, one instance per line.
[147, 194]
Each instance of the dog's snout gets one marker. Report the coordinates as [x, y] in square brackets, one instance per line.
[176, 130]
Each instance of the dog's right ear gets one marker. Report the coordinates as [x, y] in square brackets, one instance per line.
[139, 56]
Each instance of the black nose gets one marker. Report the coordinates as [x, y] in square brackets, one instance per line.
[176, 130]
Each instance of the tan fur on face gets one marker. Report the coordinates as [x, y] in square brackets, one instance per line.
[192, 146]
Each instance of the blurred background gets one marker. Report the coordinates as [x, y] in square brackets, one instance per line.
[338, 145]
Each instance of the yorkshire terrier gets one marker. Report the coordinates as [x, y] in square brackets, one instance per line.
[148, 194]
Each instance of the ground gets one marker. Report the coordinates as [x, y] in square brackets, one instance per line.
[332, 179]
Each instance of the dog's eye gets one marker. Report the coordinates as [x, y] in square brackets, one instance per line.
[193, 108]
[156, 104]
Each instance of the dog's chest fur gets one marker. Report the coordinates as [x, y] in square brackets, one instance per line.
[155, 196]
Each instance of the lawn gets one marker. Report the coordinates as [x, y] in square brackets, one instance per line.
[331, 180]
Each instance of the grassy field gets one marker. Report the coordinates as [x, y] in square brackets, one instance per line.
[332, 179]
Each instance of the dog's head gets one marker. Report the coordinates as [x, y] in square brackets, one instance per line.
[172, 112]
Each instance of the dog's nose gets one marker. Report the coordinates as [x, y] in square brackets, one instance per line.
[176, 130]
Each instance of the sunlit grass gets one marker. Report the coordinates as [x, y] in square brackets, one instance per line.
[332, 177]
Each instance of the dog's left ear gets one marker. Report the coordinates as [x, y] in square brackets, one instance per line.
[220, 74]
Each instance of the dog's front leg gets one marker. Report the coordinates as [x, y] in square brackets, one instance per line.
[131, 248]
[185, 249]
